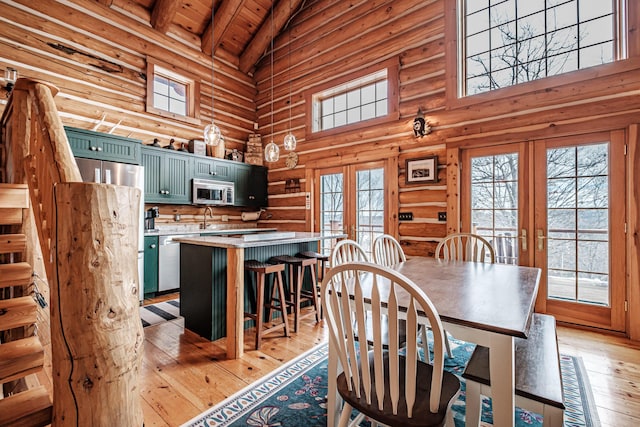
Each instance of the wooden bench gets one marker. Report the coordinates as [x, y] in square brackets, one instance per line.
[538, 380]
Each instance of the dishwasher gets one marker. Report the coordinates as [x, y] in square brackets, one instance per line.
[168, 263]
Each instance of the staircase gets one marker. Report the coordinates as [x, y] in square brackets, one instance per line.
[23, 402]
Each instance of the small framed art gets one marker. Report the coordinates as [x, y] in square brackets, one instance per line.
[424, 170]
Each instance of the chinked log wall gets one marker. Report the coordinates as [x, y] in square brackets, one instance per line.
[327, 39]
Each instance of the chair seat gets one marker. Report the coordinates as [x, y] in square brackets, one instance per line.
[313, 254]
[262, 267]
[288, 259]
[421, 416]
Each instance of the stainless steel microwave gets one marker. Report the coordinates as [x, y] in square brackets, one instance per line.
[209, 192]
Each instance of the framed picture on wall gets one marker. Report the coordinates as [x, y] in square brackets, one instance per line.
[424, 170]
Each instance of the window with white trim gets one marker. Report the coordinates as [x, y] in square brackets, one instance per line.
[507, 42]
[171, 92]
[358, 100]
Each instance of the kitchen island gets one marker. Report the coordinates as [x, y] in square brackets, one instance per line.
[212, 280]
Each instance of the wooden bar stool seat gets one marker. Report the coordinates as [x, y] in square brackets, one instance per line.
[322, 265]
[296, 270]
[262, 269]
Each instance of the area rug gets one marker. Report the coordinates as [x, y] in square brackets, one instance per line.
[295, 395]
[153, 314]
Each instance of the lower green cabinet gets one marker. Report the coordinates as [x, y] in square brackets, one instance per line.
[150, 264]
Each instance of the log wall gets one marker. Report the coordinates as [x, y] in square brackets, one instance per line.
[96, 56]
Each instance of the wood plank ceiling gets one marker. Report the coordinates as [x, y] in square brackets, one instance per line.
[242, 28]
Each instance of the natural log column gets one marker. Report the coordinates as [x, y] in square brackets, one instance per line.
[96, 330]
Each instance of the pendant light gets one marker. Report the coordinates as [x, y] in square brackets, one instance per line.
[272, 151]
[289, 138]
[212, 132]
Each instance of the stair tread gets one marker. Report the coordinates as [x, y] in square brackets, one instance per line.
[32, 407]
[16, 274]
[20, 358]
[12, 243]
[17, 312]
[14, 196]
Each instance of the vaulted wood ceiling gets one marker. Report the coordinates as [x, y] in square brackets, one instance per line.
[242, 29]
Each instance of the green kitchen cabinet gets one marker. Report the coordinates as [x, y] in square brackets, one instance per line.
[103, 146]
[150, 264]
[216, 169]
[167, 176]
[251, 186]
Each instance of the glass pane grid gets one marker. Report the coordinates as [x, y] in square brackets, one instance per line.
[503, 45]
[170, 95]
[494, 204]
[331, 208]
[364, 103]
[578, 225]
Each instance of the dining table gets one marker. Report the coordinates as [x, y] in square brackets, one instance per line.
[482, 303]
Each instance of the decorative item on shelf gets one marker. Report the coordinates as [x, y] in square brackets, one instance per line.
[197, 146]
[220, 149]
[420, 125]
[292, 185]
[156, 143]
[212, 132]
[10, 77]
[234, 155]
[272, 151]
[170, 146]
[253, 153]
[184, 147]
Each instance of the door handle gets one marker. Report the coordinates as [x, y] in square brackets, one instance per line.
[523, 240]
[541, 238]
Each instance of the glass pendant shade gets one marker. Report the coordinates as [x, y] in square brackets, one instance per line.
[290, 142]
[212, 134]
[271, 152]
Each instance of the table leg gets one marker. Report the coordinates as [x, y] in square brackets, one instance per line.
[235, 303]
[333, 400]
[501, 367]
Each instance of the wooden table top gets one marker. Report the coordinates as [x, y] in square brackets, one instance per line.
[492, 297]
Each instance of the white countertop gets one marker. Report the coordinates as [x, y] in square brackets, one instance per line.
[268, 239]
[172, 231]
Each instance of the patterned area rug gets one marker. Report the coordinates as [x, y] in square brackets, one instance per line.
[160, 312]
[295, 395]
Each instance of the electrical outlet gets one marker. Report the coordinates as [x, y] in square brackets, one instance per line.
[442, 216]
[405, 216]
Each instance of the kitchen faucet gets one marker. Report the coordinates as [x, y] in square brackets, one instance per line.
[204, 216]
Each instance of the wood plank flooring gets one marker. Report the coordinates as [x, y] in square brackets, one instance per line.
[183, 374]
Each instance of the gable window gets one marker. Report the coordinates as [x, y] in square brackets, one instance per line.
[507, 42]
[171, 92]
[343, 105]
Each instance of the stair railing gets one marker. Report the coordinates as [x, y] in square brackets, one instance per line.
[88, 236]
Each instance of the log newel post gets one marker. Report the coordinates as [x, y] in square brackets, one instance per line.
[96, 331]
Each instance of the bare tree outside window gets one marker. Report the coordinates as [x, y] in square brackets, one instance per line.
[516, 41]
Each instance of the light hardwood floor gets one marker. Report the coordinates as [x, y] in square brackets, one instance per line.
[183, 375]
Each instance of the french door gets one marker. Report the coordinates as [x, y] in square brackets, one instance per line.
[352, 199]
[558, 205]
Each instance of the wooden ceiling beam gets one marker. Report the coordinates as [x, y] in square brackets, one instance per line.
[107, 3]
[224, 17]
[281, 14]
[163, 14]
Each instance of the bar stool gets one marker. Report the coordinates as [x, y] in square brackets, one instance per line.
[322, 262]
[296, 275]
[262, 269]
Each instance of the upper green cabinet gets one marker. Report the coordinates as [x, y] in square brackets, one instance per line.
[208, 168]
[103, 146]
[167, 176]
[251, 186]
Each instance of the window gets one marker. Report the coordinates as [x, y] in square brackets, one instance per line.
[507, 42]
[342, 105]
[172, 93]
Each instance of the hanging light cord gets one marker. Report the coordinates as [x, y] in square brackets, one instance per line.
[289, 65]
[212, 60]
[272, 101]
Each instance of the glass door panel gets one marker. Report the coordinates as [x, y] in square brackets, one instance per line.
[351, 199]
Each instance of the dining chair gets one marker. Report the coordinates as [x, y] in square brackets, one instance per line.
[387, 251]
[465, 247]
[391, 386]
[347, 250]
